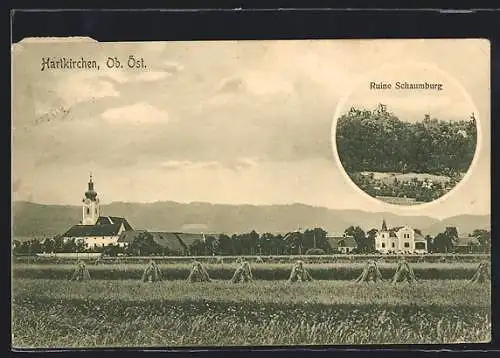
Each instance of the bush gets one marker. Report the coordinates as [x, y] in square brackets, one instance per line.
[315, 252]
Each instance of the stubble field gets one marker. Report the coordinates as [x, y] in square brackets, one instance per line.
[264, 271]
[53, 312]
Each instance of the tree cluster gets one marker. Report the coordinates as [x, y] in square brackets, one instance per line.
[425, 190]
[53, 245]
[446, 241]
[309, 242]
[378, 141]
[253, 243]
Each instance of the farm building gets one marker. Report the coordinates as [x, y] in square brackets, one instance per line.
[96, 230]
[466, 244]
[400, 239]
[176, 242]
[341, 243]
[191, 239]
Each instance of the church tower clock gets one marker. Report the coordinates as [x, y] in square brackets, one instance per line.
[90, 205]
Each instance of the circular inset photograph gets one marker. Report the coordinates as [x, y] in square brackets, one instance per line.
[407, 135]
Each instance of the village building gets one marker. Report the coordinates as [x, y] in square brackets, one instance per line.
[176, 243]
[403, 239]
[466, 244]
[96, 230]
[341, 243]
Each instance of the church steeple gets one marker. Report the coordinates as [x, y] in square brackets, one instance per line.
[91, 209]
[91, 193]
[384, 225]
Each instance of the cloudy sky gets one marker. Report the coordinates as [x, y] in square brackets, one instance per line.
[452, 102]
[230, 122]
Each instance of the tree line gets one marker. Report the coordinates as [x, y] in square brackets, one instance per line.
[378, 141]
[425, 190]
[309, 242]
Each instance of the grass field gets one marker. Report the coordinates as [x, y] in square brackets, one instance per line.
[107, 313]
[330, 271]
[69, 258]
[399, 201]
[388, 177]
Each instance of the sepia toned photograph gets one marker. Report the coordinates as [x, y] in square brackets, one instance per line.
[407, 142]
[250, 193]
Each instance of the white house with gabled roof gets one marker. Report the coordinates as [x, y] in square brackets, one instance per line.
[402, 239]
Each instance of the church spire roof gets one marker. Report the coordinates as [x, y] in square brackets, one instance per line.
[384, 225]
[91, 193]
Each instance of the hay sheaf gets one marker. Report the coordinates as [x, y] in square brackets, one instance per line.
[198, 273]
[482, 274]
[299, 273]
[81, 273]
[152, 273]
[268, 272]
[371, 273]
[403, 273]
[243, 273]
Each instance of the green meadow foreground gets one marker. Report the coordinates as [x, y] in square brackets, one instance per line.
[107, 313]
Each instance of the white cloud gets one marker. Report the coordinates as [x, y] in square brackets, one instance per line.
[241, 163]
[116, 76]
[82, 87]
[152, 76]
[251, 83]
[323, 63]
[172, 67]
[86, 90]
[267, 83]
[138, 113]
[257, 83]
[86, 85]
[187, 164]
[175, 164]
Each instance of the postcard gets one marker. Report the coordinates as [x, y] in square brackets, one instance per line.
[250, 193]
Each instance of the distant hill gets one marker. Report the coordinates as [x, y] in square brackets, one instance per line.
[464, 223]
[31, 219]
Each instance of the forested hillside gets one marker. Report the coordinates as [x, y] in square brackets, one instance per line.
[378, 141]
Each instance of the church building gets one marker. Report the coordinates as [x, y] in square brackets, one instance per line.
[96, 230]
[403, 239]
